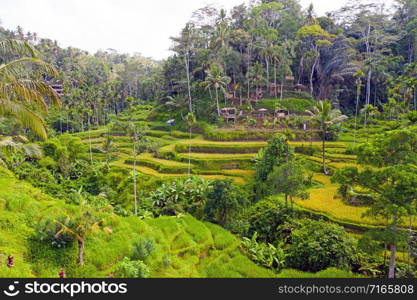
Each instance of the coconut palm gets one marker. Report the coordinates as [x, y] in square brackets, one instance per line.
[325, 117]
[79, 226]
[217, 80]
[191, 119]
[140, 144]
[19, 92]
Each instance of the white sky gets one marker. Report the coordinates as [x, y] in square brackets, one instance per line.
[129, 26]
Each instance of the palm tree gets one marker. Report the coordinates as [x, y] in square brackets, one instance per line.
[81, 225]
[216, 80]
[19, 92]
[140, 144]
[359, 74]
[191, 119]
[109, 149]
[326, 117]
[176, 102]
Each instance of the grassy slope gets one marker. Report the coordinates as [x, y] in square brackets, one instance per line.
[184, 246]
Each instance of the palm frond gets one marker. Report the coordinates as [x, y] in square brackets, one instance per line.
[17, 47]
[15, 68]
[28, 118]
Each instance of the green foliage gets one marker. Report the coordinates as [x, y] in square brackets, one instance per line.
[265, 217]
[142, 249]
[317, 245]
[390, 148]
[131, 269]
[181, 195]
[266, 255]
[224, 200]
[276, 153]
[289, 179]
[293, 105]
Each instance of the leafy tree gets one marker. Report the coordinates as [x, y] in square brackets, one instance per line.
[80, 225]
[394, 187]
[315, 37]
[223, 201]
[274, 154]
[289, 179]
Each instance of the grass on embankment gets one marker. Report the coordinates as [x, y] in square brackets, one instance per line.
[325, 200]
[184, 246]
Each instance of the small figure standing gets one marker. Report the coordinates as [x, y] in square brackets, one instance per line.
[61, 273]
[10, 261]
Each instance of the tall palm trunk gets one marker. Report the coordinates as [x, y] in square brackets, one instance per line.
[89, 141]
[187, 67]
[189, 154]
[217, 102]
[356, 109]
[275, 79]
[268, 85]
[134, 178]
[324, 150]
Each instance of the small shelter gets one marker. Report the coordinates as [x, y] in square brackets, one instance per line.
[262, 112]
[229, 114]
[281, 113]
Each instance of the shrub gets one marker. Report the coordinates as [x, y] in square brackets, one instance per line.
[142, 249]
[266, 255]
[131, 269]
[317, 245]
[264, 218]
[224, 200]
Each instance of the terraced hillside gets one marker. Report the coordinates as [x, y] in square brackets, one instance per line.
[235, 160]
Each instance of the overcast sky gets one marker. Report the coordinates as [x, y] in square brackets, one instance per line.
[129, 26]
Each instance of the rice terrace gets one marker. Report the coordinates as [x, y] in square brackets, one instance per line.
[273, 142]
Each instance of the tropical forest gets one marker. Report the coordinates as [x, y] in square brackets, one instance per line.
[274, 142]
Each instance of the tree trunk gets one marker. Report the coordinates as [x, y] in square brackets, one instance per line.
[81, 252]
[187, 66]
[324, 150]
[134, 179]
[356, 109]
[89, 140]
[391, 271]
[312, 74]
[267, 75]
[189, 155]
[275, 79]
[217, 102]
[393, 248]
